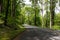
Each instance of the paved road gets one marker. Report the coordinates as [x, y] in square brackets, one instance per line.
[29, 26]
[39, 34]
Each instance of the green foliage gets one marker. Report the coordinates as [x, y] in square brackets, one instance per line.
[28, 14]
[57, 19]
[8, 34]
[19, 13]
[56, 27]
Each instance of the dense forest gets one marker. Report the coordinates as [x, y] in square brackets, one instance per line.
[40, 13]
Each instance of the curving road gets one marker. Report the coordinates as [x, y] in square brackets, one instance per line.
[35, 33]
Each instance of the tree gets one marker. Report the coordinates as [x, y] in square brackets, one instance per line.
[6, 15]
[47, 15]
[0, 5]
[52, 11]
[34, 3]
[47, 20]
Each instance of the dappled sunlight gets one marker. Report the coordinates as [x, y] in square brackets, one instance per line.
[55, 38]
[29, 19]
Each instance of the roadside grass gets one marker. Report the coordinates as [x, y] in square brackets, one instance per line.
[56, 27]
[7, 34]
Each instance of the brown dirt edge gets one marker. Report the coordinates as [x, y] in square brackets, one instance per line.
[16, 36]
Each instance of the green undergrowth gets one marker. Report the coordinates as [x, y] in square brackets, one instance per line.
[7, 34]
[56, 27]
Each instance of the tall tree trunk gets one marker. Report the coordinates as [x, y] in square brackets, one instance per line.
[52, 11]
[47, 14]
[13, 8]
[28, 19]
[41, 2]
[35, 17]
[47, 19]
[35, 5]
[6, 15]
[42, 16]
[13, 13]
[1, 6]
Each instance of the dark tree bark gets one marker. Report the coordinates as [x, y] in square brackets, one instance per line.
[47, 14]
[35, 5]
[52, 11]
[13, 13]
[47, 19]
[35, 17]
[6, 15]
[0, 6]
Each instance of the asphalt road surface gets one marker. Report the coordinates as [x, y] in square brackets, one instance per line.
[36, 33]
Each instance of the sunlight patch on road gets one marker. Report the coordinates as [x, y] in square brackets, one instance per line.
[29, 26]
[55, 38]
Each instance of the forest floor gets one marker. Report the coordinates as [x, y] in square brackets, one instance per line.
[8, 33]
[36, 33]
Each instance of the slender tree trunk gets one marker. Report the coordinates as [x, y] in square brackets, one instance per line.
[42, 18]
[47, 19]
[52, 11]
[35, 4]
[47, 15]
[35, 17]
[50, 21]
[28, 18]
[1, 6]
[13, 12]
[42, 14]
[13, 8]
[6, 15]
